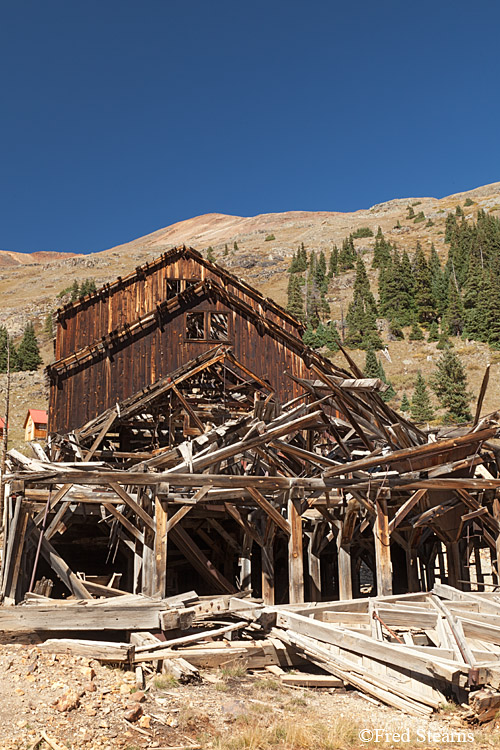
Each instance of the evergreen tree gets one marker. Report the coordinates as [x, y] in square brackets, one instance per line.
[381, 250]
[424, 300]
[411, 212]
[235, 247]
[454, 315]
[14, 363]
[444, 342]
[309, 337]
[210, 254]
[433, 332]
[28, 353]
[451, 224]
[226, 250]
[332, 336]
[416, 333]
[421, 408]
[333, 263]
[320, 273]
[362, 332]
[405, 404]
[449, 383]
[87, 287]
[371, 369]
[439, 283]
[347, 255]
[492, 290]
[295, 301]
[75, 291]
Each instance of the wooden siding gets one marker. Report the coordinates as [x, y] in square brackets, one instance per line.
[139, 294]
[143, 358]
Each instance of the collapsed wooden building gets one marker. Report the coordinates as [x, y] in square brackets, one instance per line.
[196, 442]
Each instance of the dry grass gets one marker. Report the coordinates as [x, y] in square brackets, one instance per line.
[250, 733]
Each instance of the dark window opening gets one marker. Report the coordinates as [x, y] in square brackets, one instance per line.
[173, 288]
[176, 286]
[218, 326]
[195, 325]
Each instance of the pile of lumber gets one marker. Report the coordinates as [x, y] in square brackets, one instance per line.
[414, 652]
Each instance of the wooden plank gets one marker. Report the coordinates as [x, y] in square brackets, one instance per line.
[105, 651]
[273, 514]
[79, 617]
[138, 510]
[295, 554]
[403, 511]
[382, 547]
[60, 567]
[160, 550]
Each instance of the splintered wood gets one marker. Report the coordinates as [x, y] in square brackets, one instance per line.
[205, 479]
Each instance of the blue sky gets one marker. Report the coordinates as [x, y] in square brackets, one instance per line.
[120, 117]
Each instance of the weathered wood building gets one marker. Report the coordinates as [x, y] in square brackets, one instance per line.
[131, 333]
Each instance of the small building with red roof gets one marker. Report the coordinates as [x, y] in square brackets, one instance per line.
[35, 425]
[2, 425]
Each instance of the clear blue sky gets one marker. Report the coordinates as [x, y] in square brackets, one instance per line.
[120, 117]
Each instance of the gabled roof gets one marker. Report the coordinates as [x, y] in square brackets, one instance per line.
[145, 323]
[39, 416]
[169, 257]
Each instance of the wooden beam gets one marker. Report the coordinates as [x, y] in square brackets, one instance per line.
[382, 546]
[161, 536]
[138, 510]
[199, 561]
[295, 554]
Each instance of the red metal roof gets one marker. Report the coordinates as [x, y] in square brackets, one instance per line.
[2, 423]
[37, 415]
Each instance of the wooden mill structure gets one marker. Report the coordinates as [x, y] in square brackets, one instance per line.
[196, 442]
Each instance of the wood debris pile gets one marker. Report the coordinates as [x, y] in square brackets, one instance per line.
[414, 652]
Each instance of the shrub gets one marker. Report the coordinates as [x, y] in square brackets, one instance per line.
[270, 237]
[469, 202]
[362, 232]
[419, 217]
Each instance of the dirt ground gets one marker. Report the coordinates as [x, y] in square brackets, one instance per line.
[78, 704]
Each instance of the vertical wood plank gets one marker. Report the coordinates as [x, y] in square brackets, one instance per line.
[295, 554]
[382, 547]
[161, 537]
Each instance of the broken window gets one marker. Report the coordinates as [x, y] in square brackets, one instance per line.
[173, 288]
[218, 326]
[195, 325]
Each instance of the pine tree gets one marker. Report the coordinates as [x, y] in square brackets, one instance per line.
[320, 273]
[421, 408]
[347, 255]
[332, 336]
[424, 299]
[381, 250]
[371, 368]
[295, 301]
[235, 247]
[454, 315]
[75, 291]
[14, 363]
[449, 383]
[333, 263]
[28, 353]
[309, 337]
[439, 282]
[405, 404]
[411, 212]
[416, 333]
[362, 332]
[210, 254]
[226, 250]
[433, 332]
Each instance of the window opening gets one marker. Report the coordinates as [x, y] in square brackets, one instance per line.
[218, 326]
[195, 325]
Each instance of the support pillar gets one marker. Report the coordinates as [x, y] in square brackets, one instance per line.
[382, 547]
[295, 553]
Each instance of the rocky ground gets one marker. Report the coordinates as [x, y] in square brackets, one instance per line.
[78, 704]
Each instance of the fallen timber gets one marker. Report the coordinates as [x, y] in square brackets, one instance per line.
[330, 496]
[413, 652]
